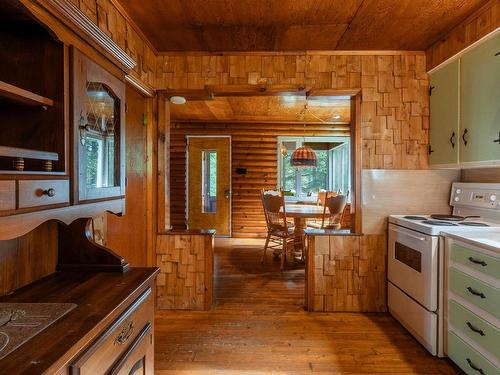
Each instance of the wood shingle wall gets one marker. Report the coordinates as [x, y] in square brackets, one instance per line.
[395, 99]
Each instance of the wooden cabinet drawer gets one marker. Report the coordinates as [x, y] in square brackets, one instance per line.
[114, 341]
[474, 327]
[35, 193]
[476, 260]
[7, 195]
[469, 360]
[483, 295]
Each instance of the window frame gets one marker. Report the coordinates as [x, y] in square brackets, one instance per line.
[346, 140]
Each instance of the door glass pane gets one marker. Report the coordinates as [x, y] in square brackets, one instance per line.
[209, 181]
[99, 136]
[314, 180]
[408, 256]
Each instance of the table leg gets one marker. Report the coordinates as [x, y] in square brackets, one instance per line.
[300, 224]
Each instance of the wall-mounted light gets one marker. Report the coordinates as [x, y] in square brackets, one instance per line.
[177, 100]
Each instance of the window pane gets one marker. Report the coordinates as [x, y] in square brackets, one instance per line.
[209, 181]
[315, 179]
[289, 173]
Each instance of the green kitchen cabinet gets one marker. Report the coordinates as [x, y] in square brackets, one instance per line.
[480, 102]
[444, 114]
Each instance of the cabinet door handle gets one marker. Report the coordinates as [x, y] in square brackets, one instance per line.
[474, 367]
[464, 137]
[430, 150]
[474, 329]
[452, 139]
[498, 139]
[478, 261]
[475, 292]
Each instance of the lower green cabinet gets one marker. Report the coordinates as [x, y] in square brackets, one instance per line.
[469, 359]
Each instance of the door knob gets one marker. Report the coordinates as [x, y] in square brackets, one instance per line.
[227, 193]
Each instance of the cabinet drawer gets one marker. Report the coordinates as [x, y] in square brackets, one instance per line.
[469, 360]
[474, 259]
[7, 195]
[482, 295]
[474, 327]
[35, 193]
[114, 341]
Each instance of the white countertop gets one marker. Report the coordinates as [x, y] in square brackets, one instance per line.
[487, 240]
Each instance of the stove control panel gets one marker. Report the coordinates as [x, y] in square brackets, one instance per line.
[475, 195]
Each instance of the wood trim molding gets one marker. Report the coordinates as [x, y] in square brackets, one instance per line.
[145, 90]
[14, 226]
[84, 24]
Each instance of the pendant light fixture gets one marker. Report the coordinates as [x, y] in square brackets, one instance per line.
[304, 156]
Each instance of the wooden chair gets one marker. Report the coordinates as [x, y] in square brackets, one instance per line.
[322, 195]
[280, 233]
[333, 212]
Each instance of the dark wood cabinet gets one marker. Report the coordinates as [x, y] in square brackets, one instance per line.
[98, 130]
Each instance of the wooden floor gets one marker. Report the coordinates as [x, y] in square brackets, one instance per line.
[258, 326]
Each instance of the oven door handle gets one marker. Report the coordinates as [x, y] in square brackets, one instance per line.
[411, 235]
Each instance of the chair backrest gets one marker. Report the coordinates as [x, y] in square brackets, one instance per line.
[274, 210]
[334, 212]
[322, 195]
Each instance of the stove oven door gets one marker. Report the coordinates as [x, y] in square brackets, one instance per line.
[413, 265]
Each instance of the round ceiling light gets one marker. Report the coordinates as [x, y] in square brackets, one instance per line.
[177, 100]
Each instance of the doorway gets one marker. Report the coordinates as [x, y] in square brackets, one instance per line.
[209, 183]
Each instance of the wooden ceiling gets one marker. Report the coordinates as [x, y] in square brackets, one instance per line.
[264, 109]
[294, 25]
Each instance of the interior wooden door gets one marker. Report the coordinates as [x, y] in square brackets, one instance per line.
[209, 184]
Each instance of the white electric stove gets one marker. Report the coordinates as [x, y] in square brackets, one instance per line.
[415, 259]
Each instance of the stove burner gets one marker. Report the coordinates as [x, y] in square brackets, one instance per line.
[414, 217]
[451, 217]
[473, 224]
[439, 223]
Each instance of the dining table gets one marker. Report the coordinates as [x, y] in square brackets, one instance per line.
[300, 213]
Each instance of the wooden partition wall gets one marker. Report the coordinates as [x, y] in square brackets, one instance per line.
[254, 147]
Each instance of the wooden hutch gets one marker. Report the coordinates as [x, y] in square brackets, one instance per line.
[62, 150]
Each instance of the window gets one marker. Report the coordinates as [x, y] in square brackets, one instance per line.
[333, 171]
[209, 181]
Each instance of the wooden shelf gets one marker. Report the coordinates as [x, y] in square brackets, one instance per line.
[15, 152]
[22, 96]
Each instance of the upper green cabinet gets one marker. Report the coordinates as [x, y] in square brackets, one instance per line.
[480, 102]
[465, 109]
[444, 111]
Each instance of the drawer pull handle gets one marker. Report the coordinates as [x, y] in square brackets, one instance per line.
[125, 334]
[49, 192]
[477, 330]
[475, 292]
[474, 367]
[477, 261]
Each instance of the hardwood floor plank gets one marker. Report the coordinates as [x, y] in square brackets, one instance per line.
[259, 326]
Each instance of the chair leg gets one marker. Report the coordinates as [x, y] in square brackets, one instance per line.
[283, 255]
[265, 248]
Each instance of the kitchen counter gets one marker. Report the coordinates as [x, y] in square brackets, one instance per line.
[487, 240]
[99, 297]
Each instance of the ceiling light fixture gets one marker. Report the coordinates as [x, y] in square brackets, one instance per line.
[177, 100]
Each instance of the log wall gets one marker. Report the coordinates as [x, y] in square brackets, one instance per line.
[254, 147]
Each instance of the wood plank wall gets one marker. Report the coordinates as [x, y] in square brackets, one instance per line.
[254, 147]
[477, 25]
[394, 88]
[28, 258]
